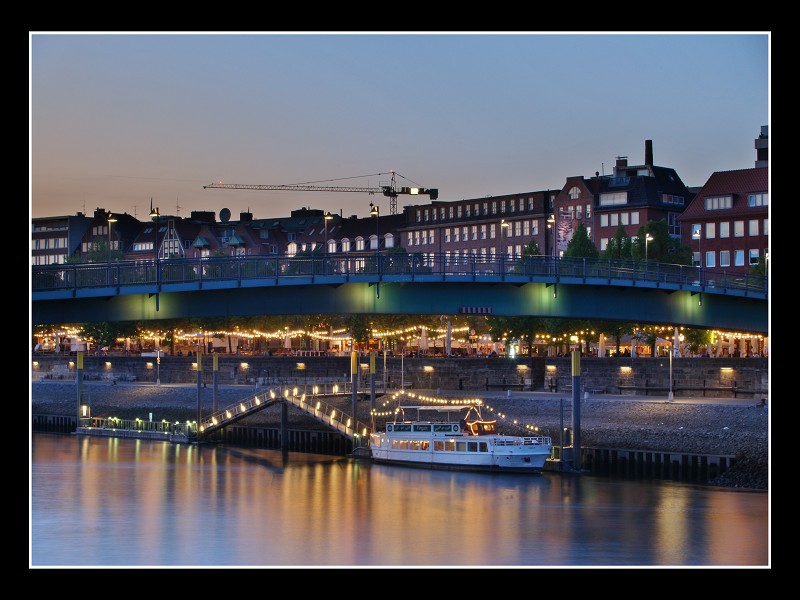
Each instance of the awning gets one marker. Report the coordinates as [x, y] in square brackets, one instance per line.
[200, 242]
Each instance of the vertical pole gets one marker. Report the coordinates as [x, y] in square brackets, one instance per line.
[199, 392]
[354, 383]
[214, 405]
[669, 395]
[79, 383]
[576, 409]
[371, 384]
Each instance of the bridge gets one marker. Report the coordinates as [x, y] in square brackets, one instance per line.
[552, 287]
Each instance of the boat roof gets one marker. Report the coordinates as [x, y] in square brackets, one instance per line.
[439, 407]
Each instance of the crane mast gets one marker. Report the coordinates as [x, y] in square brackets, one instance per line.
[391, 191]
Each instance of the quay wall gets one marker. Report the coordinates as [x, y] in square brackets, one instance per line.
[691, 377]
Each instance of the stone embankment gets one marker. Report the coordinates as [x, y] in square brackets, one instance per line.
[734, 427]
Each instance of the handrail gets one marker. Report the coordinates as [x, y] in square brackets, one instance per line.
[373, 267]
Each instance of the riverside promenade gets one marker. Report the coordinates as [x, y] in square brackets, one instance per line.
[723, 426]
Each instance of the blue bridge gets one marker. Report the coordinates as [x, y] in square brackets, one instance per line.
[600, 289]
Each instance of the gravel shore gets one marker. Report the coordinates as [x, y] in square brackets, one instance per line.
[733, 427]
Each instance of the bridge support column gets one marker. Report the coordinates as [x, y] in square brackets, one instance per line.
[284, 426]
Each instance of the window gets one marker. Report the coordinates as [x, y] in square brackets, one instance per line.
[467, 210]
[430, 236]
[410, 241]
[492, 231]
[455, 234]
[752, 227]
[530, 204]
[738, 258]
[511, 206]
[419, 215]
[765, 227]
[474, 235]
[624, 218]
[604, 220]
[724, 229]
[476, 209]
[526, 228]
[753, 256]
[483, 231]
[416, 238]
[517, 228]
[464, 233]
[359, 244]
[534, 227]
[588, 211]
[494, 207]
[388, 242]
[711, 231]
[502, 207]
[613, 199]
[574, 193]
[485, 208]
[614, 219]
[738, 229]
[426, 215]
[458, 211]
[635, 218]
[450, 212]
[579, 212]
[718, 202]
[711, 259]
[603, 244]
[446, 235]
[670, 199]
[725, 258]
[757, 200]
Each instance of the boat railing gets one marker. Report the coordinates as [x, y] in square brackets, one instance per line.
[541, 440]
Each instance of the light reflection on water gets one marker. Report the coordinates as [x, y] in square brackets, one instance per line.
[121, 502]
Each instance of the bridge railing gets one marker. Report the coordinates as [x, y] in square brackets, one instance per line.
[418, 266]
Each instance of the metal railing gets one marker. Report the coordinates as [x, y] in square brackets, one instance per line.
[345, 267]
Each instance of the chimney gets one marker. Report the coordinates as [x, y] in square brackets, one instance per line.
[621, 165]
[648, 153]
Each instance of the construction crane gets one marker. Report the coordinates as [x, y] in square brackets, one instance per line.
[391, 190]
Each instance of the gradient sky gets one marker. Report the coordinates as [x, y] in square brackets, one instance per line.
[118, 118]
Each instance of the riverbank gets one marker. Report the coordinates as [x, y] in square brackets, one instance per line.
[718, 426]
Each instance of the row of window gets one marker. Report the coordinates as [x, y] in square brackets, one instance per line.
[522, 228]
[709, 232]
[753, 256]
[449, 445]
[485, 208]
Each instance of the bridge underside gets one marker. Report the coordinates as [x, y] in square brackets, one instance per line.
[641, 304]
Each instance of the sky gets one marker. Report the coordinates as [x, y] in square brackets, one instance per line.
[117, 119]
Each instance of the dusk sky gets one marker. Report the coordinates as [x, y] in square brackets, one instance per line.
[117, 119]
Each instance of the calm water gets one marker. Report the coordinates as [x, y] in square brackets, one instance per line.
[118, 502]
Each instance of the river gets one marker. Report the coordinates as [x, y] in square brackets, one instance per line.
[110, 502]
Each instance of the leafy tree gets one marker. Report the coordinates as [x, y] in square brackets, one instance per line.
[581, 246]
[619, 246]
[663, 248]
[697, 339]
[760, 268]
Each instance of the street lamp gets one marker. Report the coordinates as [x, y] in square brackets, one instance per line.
[111, 219]
[647, 238]
[696, 235]
[375, 211]
[504, 229]
[328, 216]
[154, 214]
[551, 224]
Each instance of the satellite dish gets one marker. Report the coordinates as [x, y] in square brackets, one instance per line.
[225, 215]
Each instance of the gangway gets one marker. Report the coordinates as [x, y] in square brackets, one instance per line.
[313, 405]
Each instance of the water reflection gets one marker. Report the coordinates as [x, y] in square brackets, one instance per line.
[115, 502]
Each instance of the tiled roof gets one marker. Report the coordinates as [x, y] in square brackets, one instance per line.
[736, 183]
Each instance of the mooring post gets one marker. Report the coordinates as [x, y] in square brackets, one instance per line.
[576, 409]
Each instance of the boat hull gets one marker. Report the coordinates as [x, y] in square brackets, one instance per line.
[506, 459]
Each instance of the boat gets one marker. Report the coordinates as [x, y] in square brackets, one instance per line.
[455, 437]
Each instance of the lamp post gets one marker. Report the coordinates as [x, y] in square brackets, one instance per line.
[111, 219]
[551, 224]
[504, 228]
[328, 216]
[154, 214]
[375, 211]
[647, 238]
[696, 235]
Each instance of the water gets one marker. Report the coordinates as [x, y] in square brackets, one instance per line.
[122, 502]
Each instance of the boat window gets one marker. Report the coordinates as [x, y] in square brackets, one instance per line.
[461, 446]
[413, 445]
[450, 445]
[424, 445]
[484, 447]
[438, 446]
[472, 446]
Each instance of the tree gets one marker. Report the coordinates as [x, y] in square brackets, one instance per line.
[581, 246]
[619, 246]
[663, 248]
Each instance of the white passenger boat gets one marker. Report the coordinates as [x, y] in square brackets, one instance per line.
[456, 438]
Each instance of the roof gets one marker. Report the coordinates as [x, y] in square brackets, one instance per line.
[738, 184]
